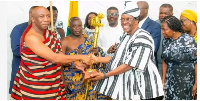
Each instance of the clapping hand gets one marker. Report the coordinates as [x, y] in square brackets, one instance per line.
[112, 49]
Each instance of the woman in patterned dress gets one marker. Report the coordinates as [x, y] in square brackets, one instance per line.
[39, 74]
[179, 58]
[188, 20]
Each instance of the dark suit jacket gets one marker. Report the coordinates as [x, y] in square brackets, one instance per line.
[15, 46]
[155, 30]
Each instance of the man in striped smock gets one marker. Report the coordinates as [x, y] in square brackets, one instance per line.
[131, 73]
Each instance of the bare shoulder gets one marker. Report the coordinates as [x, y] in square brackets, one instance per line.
[66, 40]
[31, 38]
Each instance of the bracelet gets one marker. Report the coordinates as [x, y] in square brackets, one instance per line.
[105, 76]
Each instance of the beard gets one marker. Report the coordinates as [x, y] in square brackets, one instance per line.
[112, 23]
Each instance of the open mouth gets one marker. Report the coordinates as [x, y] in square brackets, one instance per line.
[125, 27]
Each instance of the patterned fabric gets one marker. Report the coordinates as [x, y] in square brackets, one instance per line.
[58, 24]
[38, 78]
[143, 80]
[74, 77]
[90, 33]
[180, 57]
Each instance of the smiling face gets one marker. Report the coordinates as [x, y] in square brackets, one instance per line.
[112, 17]
[41, 18]
[129, 23]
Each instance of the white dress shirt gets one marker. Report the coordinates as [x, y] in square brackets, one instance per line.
[108, 36]
[141, 22]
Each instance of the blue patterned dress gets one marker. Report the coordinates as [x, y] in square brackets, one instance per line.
[74, 77]
[180, 57]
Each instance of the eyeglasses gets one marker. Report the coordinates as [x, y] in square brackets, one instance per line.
[113, 14]
[182, 21]
[127, 19]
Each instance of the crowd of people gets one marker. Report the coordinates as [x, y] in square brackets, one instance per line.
[136, 58]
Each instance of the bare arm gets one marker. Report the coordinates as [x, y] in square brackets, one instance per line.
[194, 88]
[61, 32]
[63, 46]
[164, 70]
[121, 69]
[103, 59]
[39, 48]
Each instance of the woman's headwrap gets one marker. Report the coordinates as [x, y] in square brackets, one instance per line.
[189, 14]
[131, 8]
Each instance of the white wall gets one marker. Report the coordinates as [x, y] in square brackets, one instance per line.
[101, 6]
[18, 13]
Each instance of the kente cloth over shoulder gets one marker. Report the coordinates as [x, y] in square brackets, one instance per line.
[38, 78]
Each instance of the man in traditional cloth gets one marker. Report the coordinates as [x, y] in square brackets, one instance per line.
[79, 43]
[39, 74]
[131, 73]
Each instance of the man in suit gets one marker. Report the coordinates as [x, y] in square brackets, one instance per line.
[149, 25]
[165, 10]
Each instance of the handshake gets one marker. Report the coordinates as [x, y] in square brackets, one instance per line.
[86, 62]
[86, 66]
